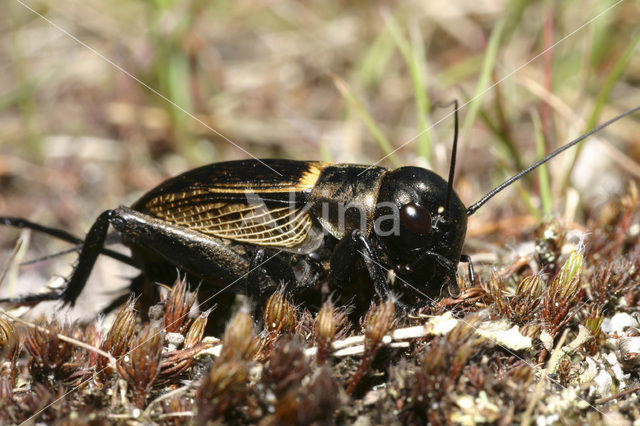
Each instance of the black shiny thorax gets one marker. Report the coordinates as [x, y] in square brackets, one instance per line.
[345, 196]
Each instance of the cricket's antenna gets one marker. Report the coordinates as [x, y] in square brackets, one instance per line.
[452, 165]
[474, 207]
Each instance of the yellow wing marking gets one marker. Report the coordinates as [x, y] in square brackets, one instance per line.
[306, 182]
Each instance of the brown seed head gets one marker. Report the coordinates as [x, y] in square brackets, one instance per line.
[280, 316]
[117, 342]
[287, 365]
[286, 408]
[196, 331]
[523, 306]
[177, 404]
[495, 287]
[52, 357]
[377, 323]
[238, 341]
[319, 399]
[530, 287]
[9, 344]
[223, 390]
[325, 325]
[8, 340]
[140, 367]
[177, 306]
[121, 332]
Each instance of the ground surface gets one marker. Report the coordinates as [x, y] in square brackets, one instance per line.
[315, 80]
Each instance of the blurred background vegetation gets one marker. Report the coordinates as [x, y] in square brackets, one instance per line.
[100, 101]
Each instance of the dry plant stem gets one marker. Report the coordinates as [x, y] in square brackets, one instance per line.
[68, 339]
[349, 346]
[280, 315]
[584, 336]
[147, 410]
[618, 395]
[9, 261]
[507, 272]
[177, 362]
[177, 414]
[526, 417]
[359, 374]
[121, 416]
[547, 64]
[501, 226]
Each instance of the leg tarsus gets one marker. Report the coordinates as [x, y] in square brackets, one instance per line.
[472, 274]
[18, 222]
[32, 299]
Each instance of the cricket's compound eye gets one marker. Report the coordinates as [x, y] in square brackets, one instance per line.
[416, 218]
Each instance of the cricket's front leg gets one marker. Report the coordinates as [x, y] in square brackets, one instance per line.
[432, 258]
[356, 246]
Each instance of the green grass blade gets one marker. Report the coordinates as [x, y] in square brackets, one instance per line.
[374, 63]
[600, 33]
[543, 173]
[460, 71]
[484, 79]
[418, 71]
[514, 11]
[610, 82]
[415, 58]
[367, 119]
[601, 99]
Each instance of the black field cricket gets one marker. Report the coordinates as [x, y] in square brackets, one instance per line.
[314, 229]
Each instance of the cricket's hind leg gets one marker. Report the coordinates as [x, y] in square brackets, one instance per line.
[92, 246]
[32, 299]
[61, 234]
